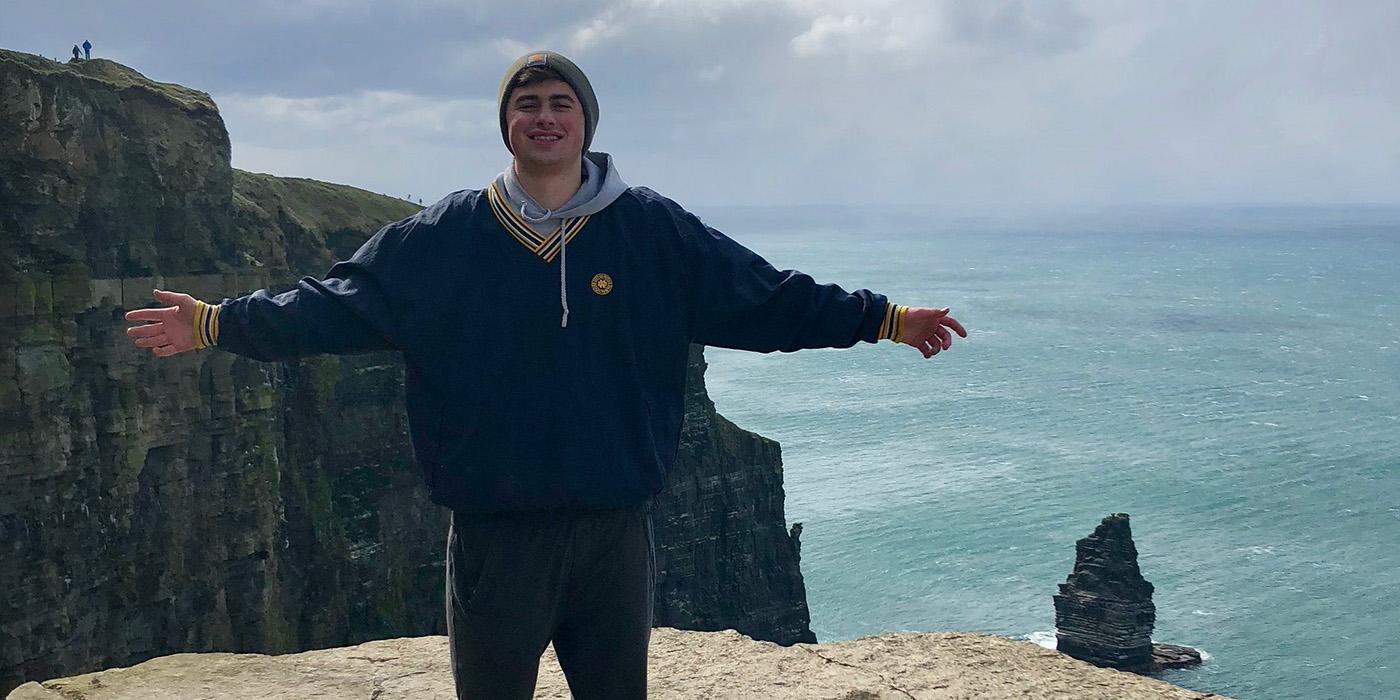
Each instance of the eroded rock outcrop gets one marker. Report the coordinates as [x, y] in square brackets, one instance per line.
[689, 665]
[107, 174]
[1104, 612]
[207, 502]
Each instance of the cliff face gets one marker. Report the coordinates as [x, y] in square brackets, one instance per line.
[725, 556]
[206, 502]
[107, 170]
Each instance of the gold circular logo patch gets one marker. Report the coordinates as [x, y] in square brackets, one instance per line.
[602, 284]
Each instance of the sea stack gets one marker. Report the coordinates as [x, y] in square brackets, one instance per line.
[1104, 612]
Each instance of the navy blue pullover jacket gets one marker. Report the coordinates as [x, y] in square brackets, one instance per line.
[508, 410]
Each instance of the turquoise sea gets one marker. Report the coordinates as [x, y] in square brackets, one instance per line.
[1228, 376]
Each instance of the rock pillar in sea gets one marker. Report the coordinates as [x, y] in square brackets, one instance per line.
[1104, 612]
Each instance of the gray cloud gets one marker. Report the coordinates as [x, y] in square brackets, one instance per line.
[1046, 26]
[775, 101]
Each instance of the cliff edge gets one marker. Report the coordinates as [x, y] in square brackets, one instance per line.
[690, 665]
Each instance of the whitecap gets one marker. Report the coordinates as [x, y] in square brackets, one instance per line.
[1042, 638]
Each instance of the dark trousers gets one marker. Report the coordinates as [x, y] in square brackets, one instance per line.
[584, 580]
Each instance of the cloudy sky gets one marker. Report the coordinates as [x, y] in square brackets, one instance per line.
[986, 103]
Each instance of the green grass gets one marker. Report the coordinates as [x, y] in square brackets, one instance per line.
[316, 205]
[112, 74]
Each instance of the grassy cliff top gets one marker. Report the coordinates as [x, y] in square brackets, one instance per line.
[112, 74]
[316, 205]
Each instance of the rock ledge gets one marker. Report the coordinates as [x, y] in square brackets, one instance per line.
[683, 665]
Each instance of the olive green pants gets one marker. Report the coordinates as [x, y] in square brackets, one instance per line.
[517, 581]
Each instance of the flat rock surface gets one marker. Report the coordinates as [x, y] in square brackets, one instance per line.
[682, 665]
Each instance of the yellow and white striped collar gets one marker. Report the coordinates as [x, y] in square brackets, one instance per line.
[547, 247]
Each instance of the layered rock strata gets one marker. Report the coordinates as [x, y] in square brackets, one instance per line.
[682, 665]
[210, 503]
[1104, 612]
[725, 557]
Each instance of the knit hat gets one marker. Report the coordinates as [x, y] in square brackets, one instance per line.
[571, 75]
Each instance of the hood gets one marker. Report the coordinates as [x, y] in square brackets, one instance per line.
[601, 185]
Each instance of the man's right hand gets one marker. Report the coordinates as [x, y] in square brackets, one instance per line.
[171, 329]
[927, 330]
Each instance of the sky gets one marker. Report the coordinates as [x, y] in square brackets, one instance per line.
[993, 103]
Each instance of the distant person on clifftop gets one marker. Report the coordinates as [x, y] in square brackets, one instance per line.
[546, 388]
[75, 52]
[87, 50]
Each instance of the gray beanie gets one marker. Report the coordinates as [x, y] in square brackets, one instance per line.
[571, 75]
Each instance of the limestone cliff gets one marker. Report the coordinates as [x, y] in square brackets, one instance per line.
[210, 503]
[725, 557]
[108, 174]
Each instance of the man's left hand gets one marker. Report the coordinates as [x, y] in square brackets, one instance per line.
[927, 330]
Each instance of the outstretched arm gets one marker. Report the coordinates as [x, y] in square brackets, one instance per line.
[741, 301]
[351, 310]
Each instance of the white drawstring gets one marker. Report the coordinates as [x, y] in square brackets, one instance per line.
[563, 257]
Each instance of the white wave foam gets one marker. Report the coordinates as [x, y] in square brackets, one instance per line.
[1042, 638]
[1047, 639]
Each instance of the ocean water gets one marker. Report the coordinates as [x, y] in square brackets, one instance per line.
[1230, 377]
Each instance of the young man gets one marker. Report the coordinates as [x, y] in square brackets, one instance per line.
[544, 322]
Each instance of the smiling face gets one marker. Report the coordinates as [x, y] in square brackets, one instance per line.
[545, 125]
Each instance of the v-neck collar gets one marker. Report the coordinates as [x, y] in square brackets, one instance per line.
[546, 247]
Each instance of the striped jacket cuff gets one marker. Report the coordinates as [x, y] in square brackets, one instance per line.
[206, 324]
[892, 327]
